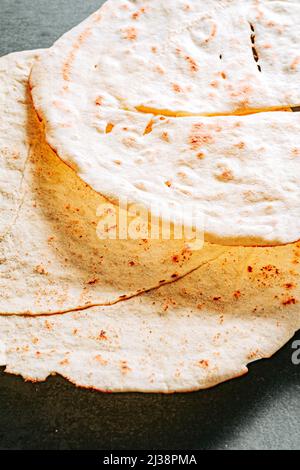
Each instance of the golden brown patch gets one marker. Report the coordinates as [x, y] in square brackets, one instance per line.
[149, 127]
[226, 175]
[109, 128]
[200, 155]
[168, 183]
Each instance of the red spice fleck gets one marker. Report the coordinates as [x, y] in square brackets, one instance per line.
[237, 294]
[102, 335]
[289, 285]
[290, 301]
[93, 282]
[250, 269]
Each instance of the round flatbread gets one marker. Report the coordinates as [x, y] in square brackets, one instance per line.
[54, 254]
[125, 108]
[189, 335]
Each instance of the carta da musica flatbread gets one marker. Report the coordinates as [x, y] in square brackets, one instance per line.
[136, 100]
[52, 257]
[189, 335]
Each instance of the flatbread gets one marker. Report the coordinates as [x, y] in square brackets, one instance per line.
[189, 335]
[117, 102]
[51, 257]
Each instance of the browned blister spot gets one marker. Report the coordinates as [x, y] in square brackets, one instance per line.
[225, 176]
[200, 135]
[253, 355]
[192, 63]
[212, 34]
[124, 367]
[204, 363]
[295, 63]
[289, 301]
[100, 359]
[137, 14]
[177, 88]
[165, 137]
[64, 362]
[109, 128]
[99, 101]
[149, 127]
[240, 145]
[130, 34]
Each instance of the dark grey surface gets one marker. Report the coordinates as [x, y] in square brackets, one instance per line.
[258, 411]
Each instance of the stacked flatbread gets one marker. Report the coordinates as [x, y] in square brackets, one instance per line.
[175, 104]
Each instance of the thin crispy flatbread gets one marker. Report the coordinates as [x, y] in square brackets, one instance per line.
[124, 108]
[189, 335]
[51, 256]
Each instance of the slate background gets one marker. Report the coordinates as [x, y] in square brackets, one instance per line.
[258, 411]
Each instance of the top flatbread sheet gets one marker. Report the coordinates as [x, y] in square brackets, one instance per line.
[123, 95]
[53, 257]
